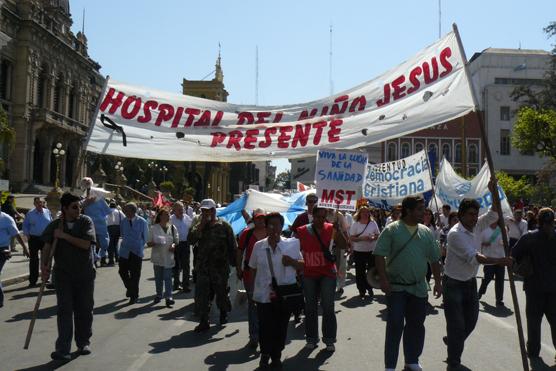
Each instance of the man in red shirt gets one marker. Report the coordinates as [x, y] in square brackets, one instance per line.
[247, 240]
[319, 279]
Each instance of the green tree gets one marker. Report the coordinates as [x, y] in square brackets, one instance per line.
[535, 127]
[283, 180]
[515, 189]
[7, 137]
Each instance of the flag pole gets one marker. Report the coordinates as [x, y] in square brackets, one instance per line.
[433, 191]
[498, 204]
[83, 154]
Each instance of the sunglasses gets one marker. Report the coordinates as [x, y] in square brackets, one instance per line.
[311, 201]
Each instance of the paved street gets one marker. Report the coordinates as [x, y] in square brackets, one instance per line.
[152, 337]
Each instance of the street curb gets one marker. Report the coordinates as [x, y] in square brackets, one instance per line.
[14, 280]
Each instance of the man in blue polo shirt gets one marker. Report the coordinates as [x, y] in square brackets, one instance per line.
[134, 230]
[8, 230]
[34, 224]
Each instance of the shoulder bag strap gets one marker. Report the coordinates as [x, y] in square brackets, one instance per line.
[270, 266]
[364, 229]
[322, 245]
[402, 248]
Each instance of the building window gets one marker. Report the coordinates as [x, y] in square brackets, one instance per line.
[419, 147]
[446, 151]
[457, 152]
[504, 113]
[72, 106]
[5, 80]
[59, 93]
[472, 156]
[432, 149]
[505, 142]
[41, 87]
[405, 150]
[392, 152]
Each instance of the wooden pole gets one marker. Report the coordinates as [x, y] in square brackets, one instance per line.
[498, 204]
[41, 292]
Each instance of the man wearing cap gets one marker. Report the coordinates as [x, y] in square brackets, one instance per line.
[182, 255]
[307, 216]
[216, 251]
[34, 224]
[75, 275]
[247, 239]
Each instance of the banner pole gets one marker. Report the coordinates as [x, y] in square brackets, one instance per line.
[496, 201]
[83, 154]
[437, 214]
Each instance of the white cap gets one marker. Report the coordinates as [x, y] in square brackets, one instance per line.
[208, 203]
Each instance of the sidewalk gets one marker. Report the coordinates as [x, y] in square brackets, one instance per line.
[16, 269]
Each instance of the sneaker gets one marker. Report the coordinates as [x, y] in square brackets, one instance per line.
[132, 300]
[263, 362]
[252, 344]
[330, 348]
[186, 290]
[276, 364]
[60, 356]
[413, 367]
[310, 346]
[340, 292]
[170, 302]
[500, 303]
[202, 326]
[157, 300]
[223, 318]
[84, 350]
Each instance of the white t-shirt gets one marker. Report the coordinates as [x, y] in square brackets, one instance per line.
[259, 261]
[363, 230]
[516, 230]
[492, 244]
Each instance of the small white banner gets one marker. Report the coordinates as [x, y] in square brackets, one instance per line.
[398, 179]
[339, 177]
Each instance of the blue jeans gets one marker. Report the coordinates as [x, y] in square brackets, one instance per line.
[3, 260]
[313, 288]
[406, 315]
[461, 309]
[163, 275]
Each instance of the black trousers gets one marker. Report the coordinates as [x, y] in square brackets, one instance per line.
[273, 327]
[495, 272]
[35, 245]
[130, 272]
[75, 306]
[182, 264]
[114, 233]
[538, 304]
[364, 261]
[461, 309]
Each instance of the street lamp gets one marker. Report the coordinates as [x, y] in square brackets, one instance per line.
[58, 153]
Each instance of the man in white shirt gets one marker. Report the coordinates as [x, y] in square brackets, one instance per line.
[517, 227]
[182, 222]
[443, 218]
[113, 221]
[461, 303]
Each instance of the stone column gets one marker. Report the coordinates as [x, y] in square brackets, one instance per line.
[47, 153]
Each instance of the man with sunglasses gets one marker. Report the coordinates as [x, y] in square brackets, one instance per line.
[307, 216]
[75, 275]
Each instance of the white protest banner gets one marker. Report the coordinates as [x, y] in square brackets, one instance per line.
[397, 179]
[450, 189]
[427, 89]
[339, 177]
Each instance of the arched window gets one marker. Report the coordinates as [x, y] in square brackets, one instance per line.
[405, 150]
[473, 154]
[447, 151]
[72, 103]
[392, 152]
[433, 149]
[59, 93]
[418, 147]
[42, 87]
[457, 153]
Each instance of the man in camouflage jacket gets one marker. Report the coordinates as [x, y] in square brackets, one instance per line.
[216, 244]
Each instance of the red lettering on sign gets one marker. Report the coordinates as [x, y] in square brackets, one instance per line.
[217, 138]
[301, 135]
[250, 138]
[444, 55]
[267, 139]
[191, 113]
[245, 118]
[204, 120]
[149, 105]
[262, 117]
[283, 138]
[318, 134]
[414, 80]
[335, 130]
[234, 139]
[166, 111]
[126, 112]
[113, 102]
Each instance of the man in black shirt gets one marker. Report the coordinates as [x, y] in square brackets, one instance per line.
[75, 275]
[539, 247]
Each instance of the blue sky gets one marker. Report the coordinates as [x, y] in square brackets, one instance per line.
[157, 43]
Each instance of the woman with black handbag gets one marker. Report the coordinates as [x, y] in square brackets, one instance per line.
[274, 262]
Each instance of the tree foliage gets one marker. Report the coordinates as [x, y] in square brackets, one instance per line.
[515, 189]
[535, 128]
[7, 136]
[283, 180]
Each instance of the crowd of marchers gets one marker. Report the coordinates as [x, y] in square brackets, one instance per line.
[291, 271]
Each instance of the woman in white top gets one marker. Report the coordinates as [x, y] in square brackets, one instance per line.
[163, 239]
[492, 246]
[272, 312]
[363, 234]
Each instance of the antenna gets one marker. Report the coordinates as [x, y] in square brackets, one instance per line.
[330, 64]
[83, 26]
[439, 19]
[257, 75]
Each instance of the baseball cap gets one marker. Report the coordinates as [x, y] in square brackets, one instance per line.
[208, 203]
[258, 212]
